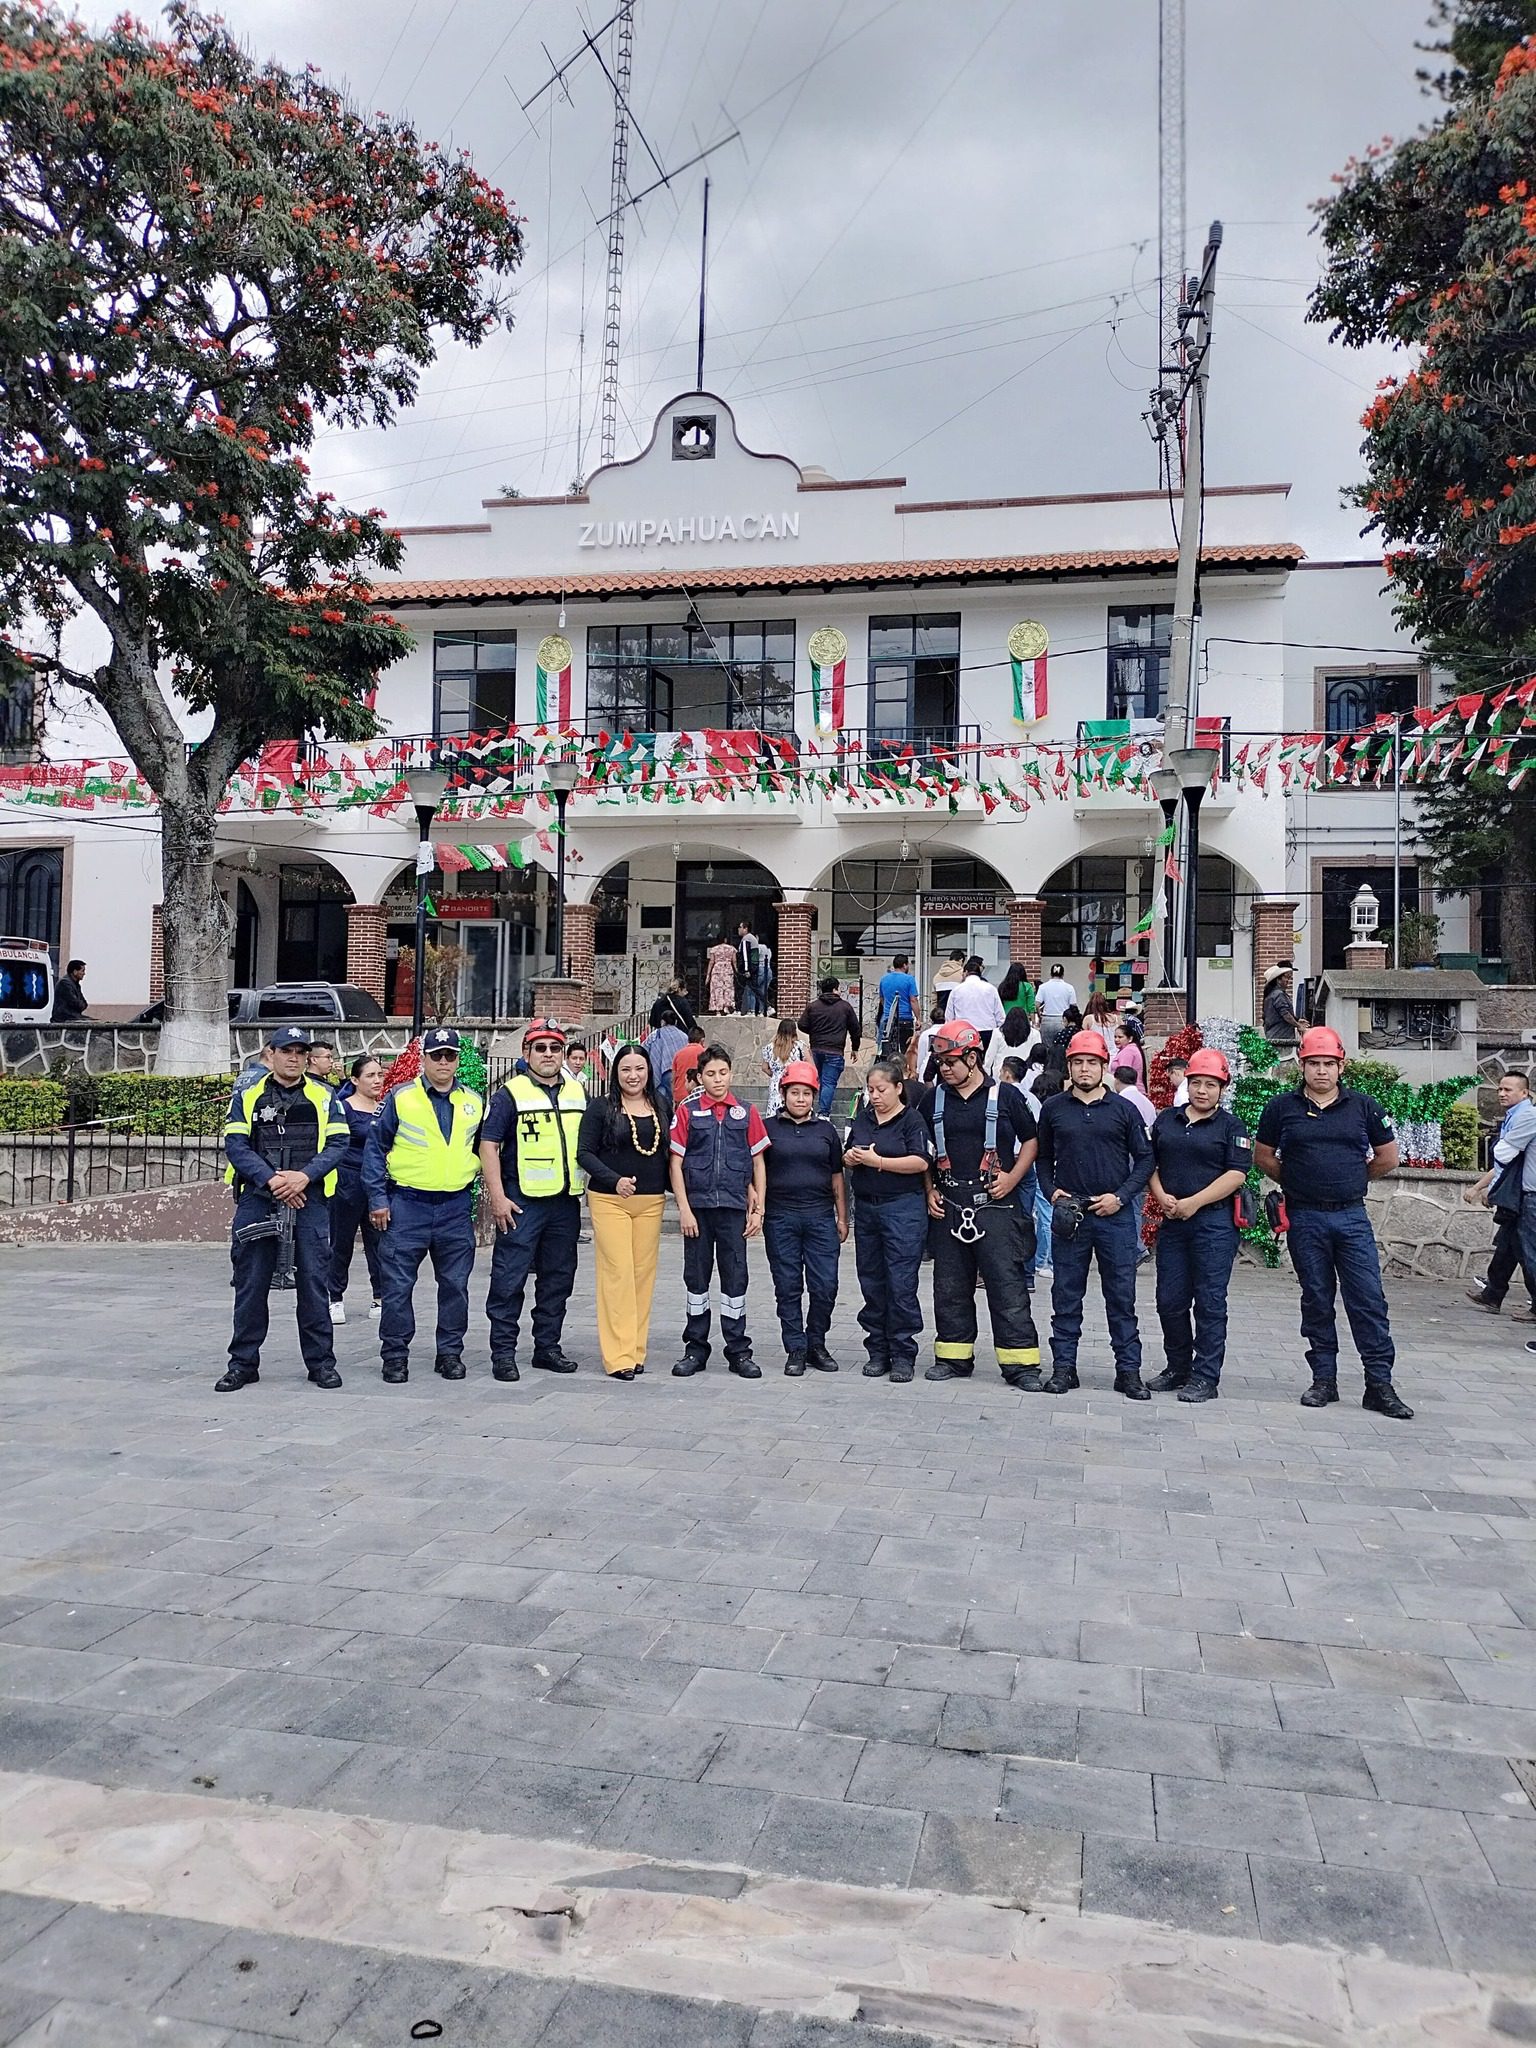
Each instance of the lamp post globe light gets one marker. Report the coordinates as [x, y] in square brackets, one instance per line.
[426, 787]
[564, 774]
[1364, 915]
[1196, 769]
[1168, 790]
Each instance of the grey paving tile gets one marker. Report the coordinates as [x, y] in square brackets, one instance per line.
[280, 1645]
[1130, 1643]
[722, 1645]
[66, 1624]
[646, 1684]
[928, 1780]
[1134, 1742]
[755, 1697]
[591, 2013]
[1245, 1817]
[713, 1823]
[808, 1764]
[905, 1622]
[609, 1635]
[1301, 1763]
[860, 1660]
[386, 1660]
[502, 1673]
[1255, 1657]
[655, 1745]
[45, 1674]
[149, 1685]
[396, 1614]
[551, 1802]
[1004, 1859]
[1509, 1845]
[1494, 1684]
[404, 1715]
[892, 1711]
[489, 1621]
[795, 2030]
[1375, 1834]
[1329, 1907]
[284, 1701]
[110, 1958]
[1319, 1710]
[32, 1733]
[79, 2023]
[839, 1841]
[1438, 1777]
[20, 2009]
[1501, 1731]
[1008, 1727]
[476, 2008]
[297, 1990]
[1205, 1890]
[1079, 1797]
[1021, 1634]
[283, 1600]
[22, 1915]
[1111, 1687]
[496, 1727]
[1391, 1671]
[237, 1763]
[427, 1785]
[820, 1614]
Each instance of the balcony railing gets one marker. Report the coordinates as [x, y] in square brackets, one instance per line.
[929, 745]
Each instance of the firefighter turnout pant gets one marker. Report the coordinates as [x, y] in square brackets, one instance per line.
[721, 1246]
[1001, 1257]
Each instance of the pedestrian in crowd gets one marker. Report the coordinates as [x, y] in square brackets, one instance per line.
[661, 1046]
[1072, 1023]
[1094, 1160]
[1052, 999]
[621, 1148]
[975, 1001]
[764, 982]
[419, 1166]
[1016, 992]
[577, 1067]
[1129, 1089]
[718, 1178]
[534, 1184]
[349, 1205]
[685, 1069]
[1201, 1157]
[950, 975]
[922, 1063]
[721, 991]
[322, 1062]
[832, 1026]
[983, 1143]
[1282, 1026]
[1040, 1084]
[1509, 1189]
[805, 1219]
[899, 997]
[782, 1050]
[284, 1138]
[748, 971]
[1177, 1071]
[1129, 1051]
[887, 1159]
[1099, 1015]
[673, 1007]
[255, 1068]
[1324, 1143]
[69, 994]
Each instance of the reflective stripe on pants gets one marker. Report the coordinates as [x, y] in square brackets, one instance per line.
[720, 1245]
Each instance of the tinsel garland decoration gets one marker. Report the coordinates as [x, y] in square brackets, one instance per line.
[1256, 1083]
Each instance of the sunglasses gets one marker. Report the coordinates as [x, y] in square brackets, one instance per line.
[546, 1045]
[450, 1054]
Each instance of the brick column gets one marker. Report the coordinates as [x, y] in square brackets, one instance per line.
[157, 954]
[560, 998]
[1024, 915]
[792, 959]
[580, 940]
[1274, 922]
[365, 948]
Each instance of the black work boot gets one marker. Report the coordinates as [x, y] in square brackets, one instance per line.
[1381, 1398]
[1026, 1378]
[395, 1373]
[555, 1361]
[745, 1368]
[901, 1372]
[1132, 1386]
[235, 1378]
[794, 1365]
[690, 1363]
[1063, 1380]
[1320, 1393]
[819, 1359]
[504, 1369]
[877, 1368]
[1200, 1390]
[448, 1368]
[325, 1376]
[950, 1369]
[1170, 1379]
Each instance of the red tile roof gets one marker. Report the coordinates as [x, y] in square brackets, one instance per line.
[431, 590]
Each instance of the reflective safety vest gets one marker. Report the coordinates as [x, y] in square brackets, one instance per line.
[330, 1121]
[421, 1157]
[546, 1135]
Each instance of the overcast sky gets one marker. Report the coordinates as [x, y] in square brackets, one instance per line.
[934, 246]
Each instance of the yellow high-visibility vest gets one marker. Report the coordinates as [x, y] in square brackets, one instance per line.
[546, 1137]
[330, 1120]
[421, 1157]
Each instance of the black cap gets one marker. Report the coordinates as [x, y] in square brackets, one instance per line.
[441, 1038]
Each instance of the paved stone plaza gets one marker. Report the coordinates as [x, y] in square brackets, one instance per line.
[775, 1714]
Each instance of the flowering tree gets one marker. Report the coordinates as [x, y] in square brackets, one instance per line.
[201, 257]
[1431, 244]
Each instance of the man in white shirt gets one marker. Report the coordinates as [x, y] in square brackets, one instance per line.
[975, 1001]
[1124, 1079]
[1054, 997]
[1514, 1244]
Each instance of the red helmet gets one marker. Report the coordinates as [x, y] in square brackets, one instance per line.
[799, 1074]
[957, 1037]
[543, 1027]
[1087, 1045]
[1322, 1043]
[1211, 1063]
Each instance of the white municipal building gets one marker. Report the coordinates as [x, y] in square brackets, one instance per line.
[688, 582]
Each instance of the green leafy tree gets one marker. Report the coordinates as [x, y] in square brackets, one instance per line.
[202, 259]
[1431, 244]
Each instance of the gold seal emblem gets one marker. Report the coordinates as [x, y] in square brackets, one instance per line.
[827, 647]
[554, 653]
[1028, 640]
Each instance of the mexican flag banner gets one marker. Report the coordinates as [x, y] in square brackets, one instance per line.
[554, 666]
[828, 649]
[1027, 644]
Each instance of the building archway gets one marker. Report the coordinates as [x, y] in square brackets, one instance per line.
[889, 897]
[1094, 901]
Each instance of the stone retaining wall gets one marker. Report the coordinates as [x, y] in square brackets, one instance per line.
[34, 1166]
[1424, 1228]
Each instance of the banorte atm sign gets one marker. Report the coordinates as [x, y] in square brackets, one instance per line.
[697, 528]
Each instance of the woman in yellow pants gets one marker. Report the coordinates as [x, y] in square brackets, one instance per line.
[622, 1150]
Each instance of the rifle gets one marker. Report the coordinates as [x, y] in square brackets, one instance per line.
[279, 1225]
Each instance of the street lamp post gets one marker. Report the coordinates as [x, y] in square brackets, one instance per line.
[1195, 767]
[564, 775]
[1168, 790]
[427, 788]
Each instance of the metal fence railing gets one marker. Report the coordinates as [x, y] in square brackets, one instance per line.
[104, 1156]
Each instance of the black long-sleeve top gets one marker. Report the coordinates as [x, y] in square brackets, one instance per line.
[1092, 1148]
[606, 1149]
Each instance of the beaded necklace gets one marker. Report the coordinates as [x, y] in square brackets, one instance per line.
[644, 1151]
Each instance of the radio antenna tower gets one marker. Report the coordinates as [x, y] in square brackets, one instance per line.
[1167, 404]
[618, 193]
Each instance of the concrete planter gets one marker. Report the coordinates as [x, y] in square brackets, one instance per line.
[1424, 1228]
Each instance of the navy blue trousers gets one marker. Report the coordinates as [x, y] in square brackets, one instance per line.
[1194, 1268]
[1334, 1252]
[254, 1265]
[720, 1247]
[422, 1226]
[889, 1239]
[802, 1247]
[543, 1246]
[349, 1215]
[1111, 1241]
[1514, 1249]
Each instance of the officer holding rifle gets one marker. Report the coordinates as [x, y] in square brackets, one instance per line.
[284, 1138]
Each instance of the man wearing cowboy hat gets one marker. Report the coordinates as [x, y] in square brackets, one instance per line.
[1281, 1024]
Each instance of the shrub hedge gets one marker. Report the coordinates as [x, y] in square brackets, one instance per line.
[167, 1105]
[31, 1105]
[1458, 1137]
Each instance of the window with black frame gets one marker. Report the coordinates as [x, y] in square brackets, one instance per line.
[32, 893]
[1139, 640]
[874, 906]
[474, 683]
[737, 676]
[1084, 915]
[1353, 702]
[914, 680]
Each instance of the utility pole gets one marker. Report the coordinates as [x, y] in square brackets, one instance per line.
[1170, 217]
[698, 380]
[1195, 326]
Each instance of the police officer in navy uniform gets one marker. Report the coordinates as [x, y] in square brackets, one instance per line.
[1094, 1160]
[534, 1186]
[419, 1168]
[1202, 1156]
[1324, 1143]
[284, 1138]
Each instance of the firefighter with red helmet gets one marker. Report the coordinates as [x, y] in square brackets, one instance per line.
[1201, 1157]
[983, 1144]
[1325, 1143]
[1094, 1160]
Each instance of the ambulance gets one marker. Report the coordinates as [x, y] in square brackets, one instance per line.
[26, 982]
